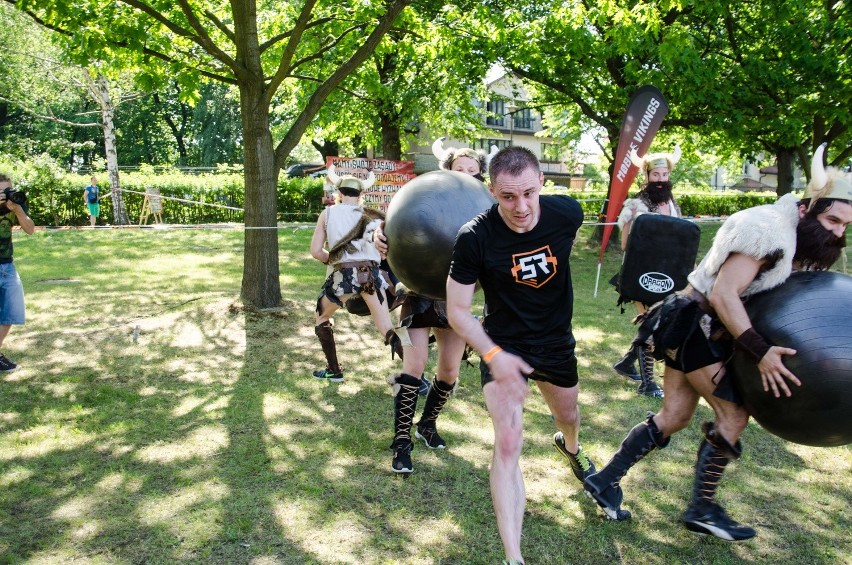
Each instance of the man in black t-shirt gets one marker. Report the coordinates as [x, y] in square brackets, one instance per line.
[519, 252]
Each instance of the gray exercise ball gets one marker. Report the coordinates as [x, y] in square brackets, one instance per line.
[422, 221]
[811, 313]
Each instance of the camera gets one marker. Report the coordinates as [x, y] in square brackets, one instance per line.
[15, 196]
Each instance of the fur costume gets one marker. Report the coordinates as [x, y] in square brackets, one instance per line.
[634, 207]
[349, 231]
[762, 232]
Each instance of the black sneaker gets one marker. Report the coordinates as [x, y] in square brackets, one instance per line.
[608, 497]
[626, 368]
[708, 518]
[6, 364]
[425, 385]
[429, 435]
[402, 458]
[581, 465]
[651, 389]
[327, 375]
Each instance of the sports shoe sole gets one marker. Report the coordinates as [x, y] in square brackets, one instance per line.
[329, 379]
[705, 529]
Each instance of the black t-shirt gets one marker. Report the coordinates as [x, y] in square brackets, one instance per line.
[526, 277]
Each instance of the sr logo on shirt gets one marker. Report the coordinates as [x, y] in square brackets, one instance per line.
[534, 268]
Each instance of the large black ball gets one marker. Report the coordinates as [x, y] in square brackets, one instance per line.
[811, 313]
[421, 226]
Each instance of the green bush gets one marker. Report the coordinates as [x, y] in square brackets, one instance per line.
[56, 197]
[701, 204]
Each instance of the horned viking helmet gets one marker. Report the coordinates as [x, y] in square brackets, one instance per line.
[826, 182]
[653, 161]
[349, 181]
[447, 156]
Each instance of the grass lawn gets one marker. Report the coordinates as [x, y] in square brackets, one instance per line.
[153, 420]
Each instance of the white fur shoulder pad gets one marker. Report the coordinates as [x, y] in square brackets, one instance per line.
[632, 208]
[759, 232]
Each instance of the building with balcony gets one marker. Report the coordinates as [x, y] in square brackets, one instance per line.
[509, 122]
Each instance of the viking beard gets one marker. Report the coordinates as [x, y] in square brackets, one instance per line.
[658, 192]
[816, 248]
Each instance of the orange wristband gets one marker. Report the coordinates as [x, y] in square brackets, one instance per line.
[489, 355]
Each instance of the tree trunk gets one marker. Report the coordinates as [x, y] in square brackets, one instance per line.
[261, 287]
[177, 132]
[99, 88]
[391, 143]
[784, 158]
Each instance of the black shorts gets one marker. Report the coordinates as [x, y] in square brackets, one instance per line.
[697, 351]
[556, 365]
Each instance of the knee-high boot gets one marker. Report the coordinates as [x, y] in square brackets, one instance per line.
[646, 370]
[435, 400]
[325, 334]
[705, 515]
[404, 406]
[604, 487]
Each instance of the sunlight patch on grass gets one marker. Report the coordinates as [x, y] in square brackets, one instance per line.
[203, 442]
[169, 510]
[111, 482]
[87, 530]
[17, 474]
[187, 335]
[75, 507]
[61, 389]
[199, 377]
[588, 336]
[9, 417]
[39, 441]
[303, 523]
[205, 404]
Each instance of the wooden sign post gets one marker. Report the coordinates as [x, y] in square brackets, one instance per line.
[152, 205]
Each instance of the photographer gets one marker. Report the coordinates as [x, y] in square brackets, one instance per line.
[13, 210]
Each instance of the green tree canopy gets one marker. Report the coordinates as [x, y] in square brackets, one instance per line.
[273, 53]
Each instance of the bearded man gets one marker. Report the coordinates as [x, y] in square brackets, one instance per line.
[655, 198]
[693, 332]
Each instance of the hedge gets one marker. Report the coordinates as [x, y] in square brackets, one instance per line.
[704, 204]
[56, 197]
